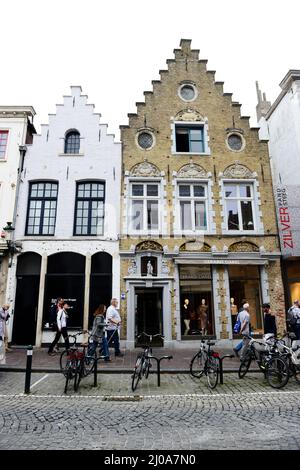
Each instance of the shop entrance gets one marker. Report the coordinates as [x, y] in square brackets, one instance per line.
[27, 297]
[148, 312]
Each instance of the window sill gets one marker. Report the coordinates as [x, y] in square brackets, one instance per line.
[208, 153]
[71, 154]
[241, 232]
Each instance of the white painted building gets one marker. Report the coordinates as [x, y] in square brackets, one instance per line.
[16, 129]
[280, 126]
[67, 221]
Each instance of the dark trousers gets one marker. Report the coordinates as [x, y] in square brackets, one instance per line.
[56, 339]
[113, 339]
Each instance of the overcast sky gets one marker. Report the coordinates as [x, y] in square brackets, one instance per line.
[115, 48]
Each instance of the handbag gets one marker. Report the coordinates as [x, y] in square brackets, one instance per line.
[237, 326]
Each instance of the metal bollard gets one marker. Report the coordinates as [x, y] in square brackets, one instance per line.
[28, 369]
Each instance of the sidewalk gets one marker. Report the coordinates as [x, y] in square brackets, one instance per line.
[42, 362]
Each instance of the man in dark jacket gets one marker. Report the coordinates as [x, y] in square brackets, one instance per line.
[269, 320]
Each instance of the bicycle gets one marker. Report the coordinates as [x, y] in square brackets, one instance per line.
[143, 361]
[206, 361]
[290, 354]
[269, 360]
[75, 363]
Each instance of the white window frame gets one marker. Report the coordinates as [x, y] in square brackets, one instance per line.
[192, 199]
[5, 129]
[238, 198]
[191, 124]
[144, 182]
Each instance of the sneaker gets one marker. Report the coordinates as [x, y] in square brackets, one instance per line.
[51, 353]
[119, 354]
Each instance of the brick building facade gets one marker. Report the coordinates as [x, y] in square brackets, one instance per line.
[198, 225]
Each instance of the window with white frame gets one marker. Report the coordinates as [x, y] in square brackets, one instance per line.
[193, 206]
[3, 143]
[239, 204]
[189, 138]
[144, 206]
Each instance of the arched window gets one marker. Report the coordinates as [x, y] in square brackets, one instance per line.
[72, 142]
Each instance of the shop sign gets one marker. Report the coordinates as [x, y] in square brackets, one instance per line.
[288, 209]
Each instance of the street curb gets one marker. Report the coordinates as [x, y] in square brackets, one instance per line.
[116, 371]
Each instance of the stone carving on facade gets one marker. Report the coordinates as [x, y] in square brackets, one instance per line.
[149, 245]
[238, 171]
[164, 267]
[145, 169]
[247, 247]
[192, 170]
[132, 268]
[195, 246]
[189, 115]
[149, 269]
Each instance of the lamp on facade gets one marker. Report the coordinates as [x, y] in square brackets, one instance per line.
[12, 246]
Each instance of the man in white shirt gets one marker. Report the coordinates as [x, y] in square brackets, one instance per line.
[244, 317]
[113, 322]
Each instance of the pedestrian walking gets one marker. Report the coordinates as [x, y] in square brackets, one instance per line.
[113, 322]
[58, 305]
[98, 333]
[4, 317]
[244, 317]
[269, 320]
[61, 320]
[293, 319]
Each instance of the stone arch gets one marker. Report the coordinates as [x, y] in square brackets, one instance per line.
[198, 246]
[240, 247]
[145, 169]
[238, 171]
[189, 115]
[192, 170]
[149, 245]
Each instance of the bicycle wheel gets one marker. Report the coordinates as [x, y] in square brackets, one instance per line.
[277, 373]
[244, 367]
[137, 373]
[146, 368]
[212, 372]
[197, 364]
[63, 360]
[88, 365]
[297, 373]
[69, 372]
[78, 373]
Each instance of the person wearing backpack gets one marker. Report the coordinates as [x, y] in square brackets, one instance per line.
[98, 333]
[243, 319]
[61, 321]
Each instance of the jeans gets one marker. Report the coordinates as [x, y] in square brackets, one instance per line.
[113, 338]
[57, 336]
[103, 348]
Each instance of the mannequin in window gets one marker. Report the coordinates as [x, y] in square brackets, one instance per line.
[149, 269]
[202, 313]
[234, 311]
[186, 316]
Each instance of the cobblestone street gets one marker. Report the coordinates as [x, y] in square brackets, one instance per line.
[182, 414]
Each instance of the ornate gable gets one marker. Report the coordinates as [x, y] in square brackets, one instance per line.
[192, 170]
[145, 169]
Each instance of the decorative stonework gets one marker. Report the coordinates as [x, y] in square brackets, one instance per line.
[195, 246]
[164, 267]
[238, 171]
[145, 169]
[189, 115]
[149, 245]
[132, 268]
[191, 170]
[243, 247]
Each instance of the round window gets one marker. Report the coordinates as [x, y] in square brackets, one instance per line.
[187, 92]
[235, 142]
[145, 140]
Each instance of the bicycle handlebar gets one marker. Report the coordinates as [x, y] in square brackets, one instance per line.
[150, 336]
